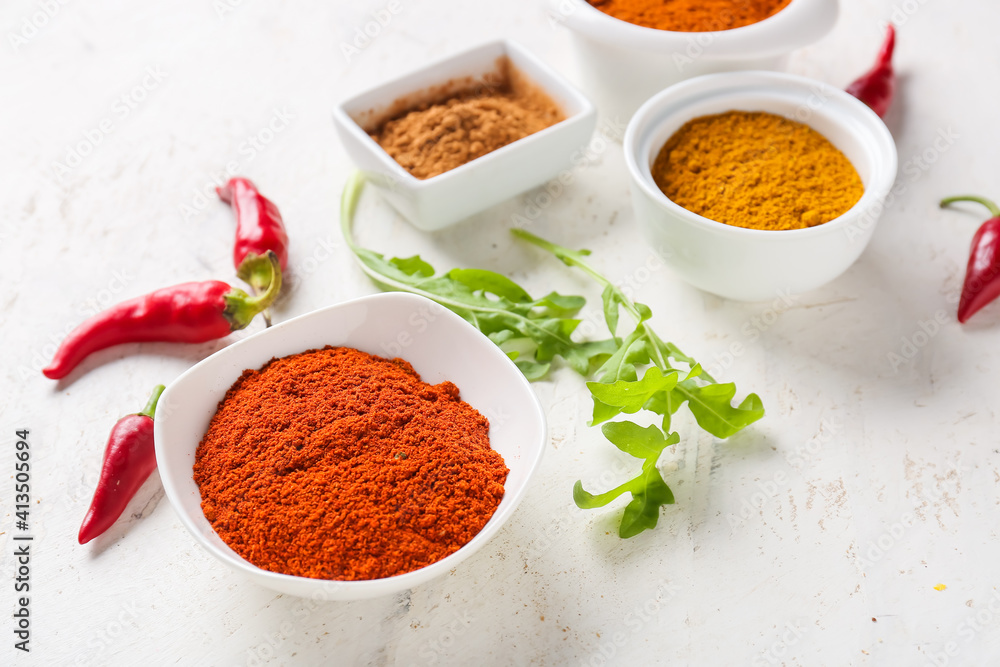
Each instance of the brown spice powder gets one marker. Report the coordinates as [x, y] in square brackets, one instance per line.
[691, 15]
[337, 464]
[439, 136]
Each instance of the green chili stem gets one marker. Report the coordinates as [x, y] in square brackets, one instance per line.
[150, 408]
[241, 308]
[988, 203]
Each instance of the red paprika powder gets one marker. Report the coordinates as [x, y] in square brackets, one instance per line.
[337, 464]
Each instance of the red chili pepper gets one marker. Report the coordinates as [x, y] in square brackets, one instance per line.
[878, 84]
[982, 275]
[187, 313]
[128, 460]
[258, 229]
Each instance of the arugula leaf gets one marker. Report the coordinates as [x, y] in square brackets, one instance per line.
[493, 303]
[621, 365]
[642, 443]
[532, 370]
[557, 305]
[631, 396]
[618, 390]
[611, 308]
[712, 406]
[413, 266]
[644, 510]
[535, 332]
[488, 282]
[649, 491]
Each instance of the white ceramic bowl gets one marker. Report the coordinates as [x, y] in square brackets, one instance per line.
[623, 64]
[440, 346]
[445, 199]
[753, 264]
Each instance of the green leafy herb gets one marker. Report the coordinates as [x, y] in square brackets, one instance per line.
[634, 373]
[649, 491]
[491, 302]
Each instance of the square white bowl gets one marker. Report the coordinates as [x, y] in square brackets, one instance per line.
[447, 198]
[439, 344]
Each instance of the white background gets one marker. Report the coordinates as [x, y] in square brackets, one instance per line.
[788, 540]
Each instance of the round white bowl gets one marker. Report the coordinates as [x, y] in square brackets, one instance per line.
[440, 346]
[753, 264]
[623, 64]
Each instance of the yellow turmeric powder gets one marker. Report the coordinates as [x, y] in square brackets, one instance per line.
[756, 170]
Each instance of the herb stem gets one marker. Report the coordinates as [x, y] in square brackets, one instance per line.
[574, 258]
[348, 205]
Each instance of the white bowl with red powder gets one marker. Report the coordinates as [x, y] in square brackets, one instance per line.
[437, 343]
[447, 198]
[623, 64]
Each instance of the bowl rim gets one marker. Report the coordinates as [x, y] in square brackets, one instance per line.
[368, 588]
[693, 90]
[798, 24]
[561, 85]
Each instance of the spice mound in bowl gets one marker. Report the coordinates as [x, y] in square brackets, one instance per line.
[439, 135]
[757, 170]
[691, 15]
[338, 464]
[390, 413]
[735, 177]
[629, 50]
[457, 136]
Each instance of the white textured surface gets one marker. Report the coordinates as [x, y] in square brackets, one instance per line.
[852, 448]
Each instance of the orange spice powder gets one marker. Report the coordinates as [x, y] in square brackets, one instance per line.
[757, 170]
[691, 15]
[337, 464]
